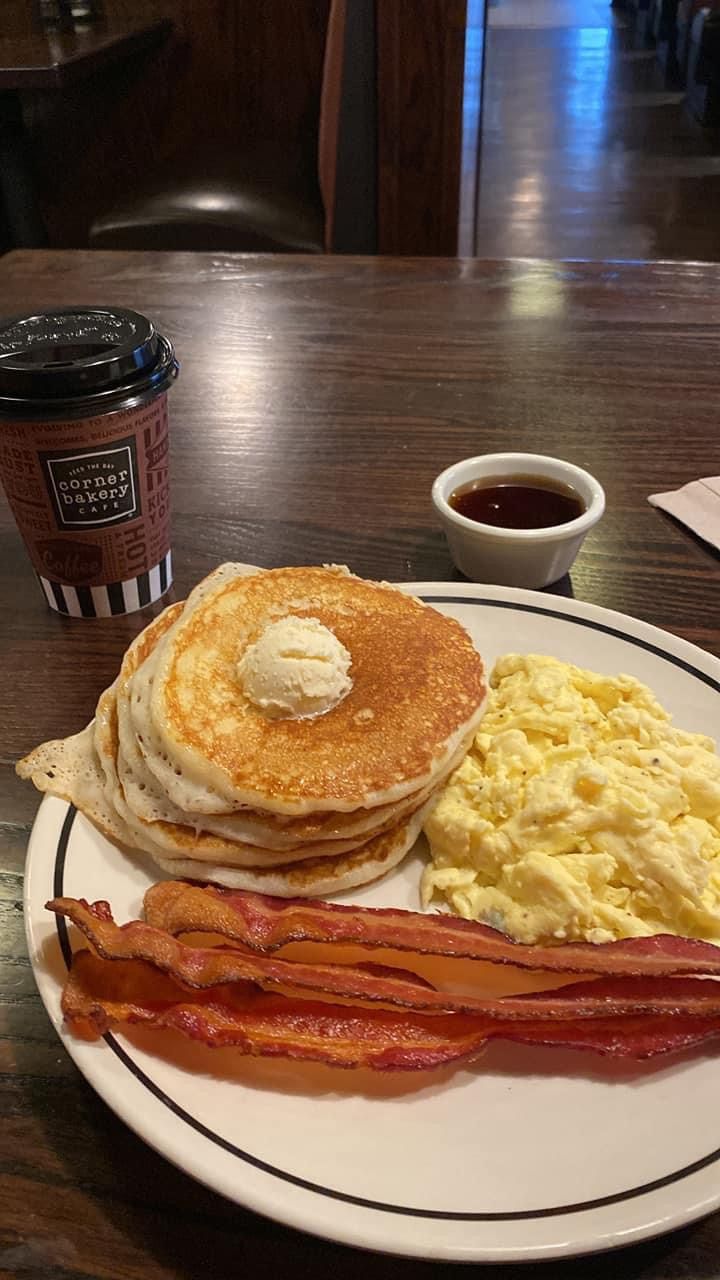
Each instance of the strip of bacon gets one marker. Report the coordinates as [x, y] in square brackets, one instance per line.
[265, 924]
[204, 967]
[637, 1038]
[100, 995]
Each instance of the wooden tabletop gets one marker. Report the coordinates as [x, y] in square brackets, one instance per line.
[318, 398]
[59, 57]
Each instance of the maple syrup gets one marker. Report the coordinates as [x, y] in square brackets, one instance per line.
[517, 502]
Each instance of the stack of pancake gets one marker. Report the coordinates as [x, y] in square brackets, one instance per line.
[187, 761]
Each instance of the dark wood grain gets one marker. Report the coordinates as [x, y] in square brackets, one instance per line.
[317, 400]
[277, 66]
[420, 52]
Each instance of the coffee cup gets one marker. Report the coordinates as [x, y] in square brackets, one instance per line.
[84, 454]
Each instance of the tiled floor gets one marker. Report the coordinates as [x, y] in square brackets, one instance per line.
[585, 152]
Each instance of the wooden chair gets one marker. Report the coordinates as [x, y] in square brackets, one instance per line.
[217, 203]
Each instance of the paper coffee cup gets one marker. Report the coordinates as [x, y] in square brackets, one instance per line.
[84, 455]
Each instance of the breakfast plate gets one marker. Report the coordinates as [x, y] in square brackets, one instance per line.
[528, 1153]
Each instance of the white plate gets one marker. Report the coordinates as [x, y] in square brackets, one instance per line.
[531, 1153]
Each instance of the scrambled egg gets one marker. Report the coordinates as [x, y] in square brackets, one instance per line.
[580, 812]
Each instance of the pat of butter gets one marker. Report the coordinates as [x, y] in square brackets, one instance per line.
[296, 668]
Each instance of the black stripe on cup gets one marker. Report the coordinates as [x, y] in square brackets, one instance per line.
[87, 604]
[111, 600]
[58, 597]
[143, 588]
[117, 597]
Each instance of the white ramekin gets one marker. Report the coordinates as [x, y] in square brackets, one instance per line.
[515, 557]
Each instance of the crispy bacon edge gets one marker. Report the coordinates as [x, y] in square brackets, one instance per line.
[264, 924]
[207, 967]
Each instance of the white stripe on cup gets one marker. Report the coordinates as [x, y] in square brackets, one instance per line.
[101, 600]
[70, 596]
[154, 582]
[130, 594]
[47, 589]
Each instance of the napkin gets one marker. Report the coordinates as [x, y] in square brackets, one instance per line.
[697, 504]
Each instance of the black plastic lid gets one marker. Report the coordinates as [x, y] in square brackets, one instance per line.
[78, 361]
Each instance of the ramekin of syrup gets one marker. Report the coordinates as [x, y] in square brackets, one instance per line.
[518, 502]
[516, 518]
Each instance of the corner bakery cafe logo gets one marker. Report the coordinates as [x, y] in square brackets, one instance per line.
[98, 487]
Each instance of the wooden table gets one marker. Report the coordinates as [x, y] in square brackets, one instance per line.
[317, 400]
[52, 60]
[56, 58]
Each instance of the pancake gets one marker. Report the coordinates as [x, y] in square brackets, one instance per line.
[313, 876]
[173, 839]
[81, 771]
[174, 829]
[70, 769]
[179, 788]
[178, 840]
[417, 692]
[155, 791]
[148, 800]
[180, 764]
[79, 778]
